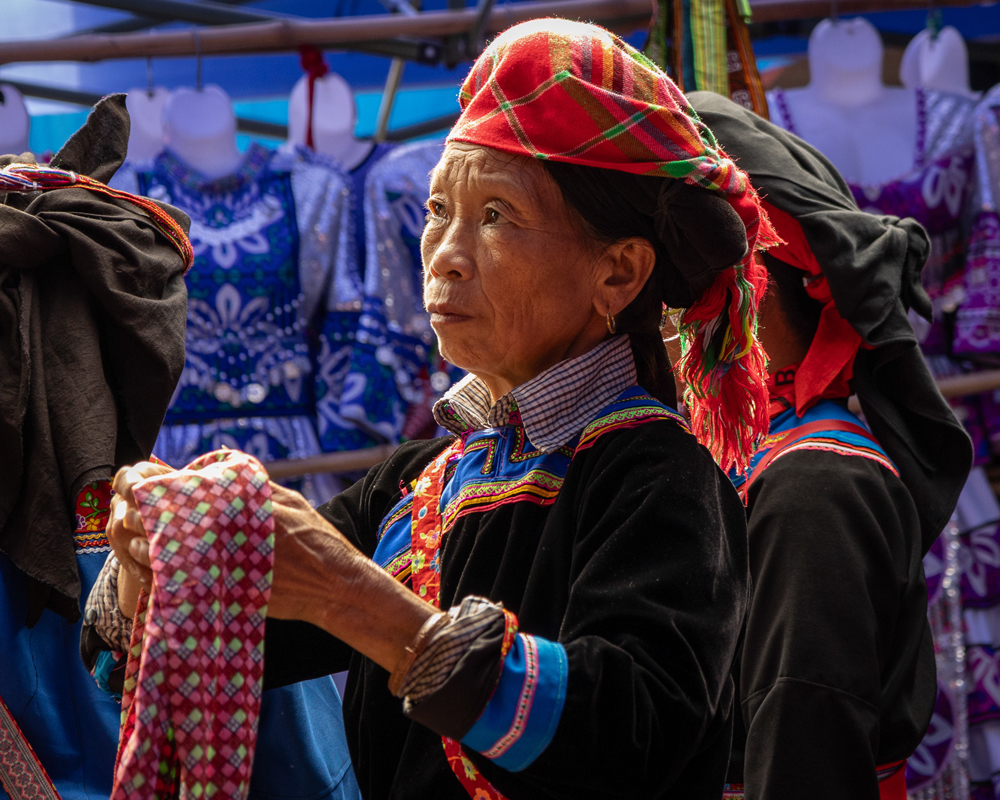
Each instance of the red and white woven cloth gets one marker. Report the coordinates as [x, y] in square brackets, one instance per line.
[193, 680]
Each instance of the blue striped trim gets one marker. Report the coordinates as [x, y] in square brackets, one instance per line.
[842, 442]
[521, 718]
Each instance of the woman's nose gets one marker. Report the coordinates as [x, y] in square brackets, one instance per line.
[451, 257]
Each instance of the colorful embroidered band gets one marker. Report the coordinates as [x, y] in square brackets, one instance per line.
[193, 682]
[574, 92]
[34, 178]
[22, 775]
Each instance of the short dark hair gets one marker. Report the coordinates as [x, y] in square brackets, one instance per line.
[801, 311]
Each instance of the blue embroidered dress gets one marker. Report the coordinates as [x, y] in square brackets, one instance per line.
[384, 368]
[273, 243]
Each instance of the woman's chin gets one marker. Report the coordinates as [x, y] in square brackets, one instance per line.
[456, 349]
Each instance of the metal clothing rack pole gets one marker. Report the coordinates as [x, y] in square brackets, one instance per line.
[355, 460]
[338, 33]
[958, 385]
[253, 127]
[781, 10]
[343, 32]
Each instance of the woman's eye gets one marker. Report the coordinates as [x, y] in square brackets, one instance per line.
[493, 216]
[435, 209]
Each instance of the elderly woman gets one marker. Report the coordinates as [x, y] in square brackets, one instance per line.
[547, 602]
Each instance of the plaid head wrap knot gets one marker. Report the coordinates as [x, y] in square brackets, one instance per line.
[574, 92]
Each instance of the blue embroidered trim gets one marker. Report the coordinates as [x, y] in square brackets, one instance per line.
[521, 718]
[842, 442]
[500, 466]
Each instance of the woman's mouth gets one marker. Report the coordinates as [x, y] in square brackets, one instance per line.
[446, 315]
[448, 319]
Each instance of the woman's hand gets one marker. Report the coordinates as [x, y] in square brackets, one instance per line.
[128, 536]
[303, 540]
[320, 577]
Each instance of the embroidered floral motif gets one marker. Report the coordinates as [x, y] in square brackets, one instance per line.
[246, 344]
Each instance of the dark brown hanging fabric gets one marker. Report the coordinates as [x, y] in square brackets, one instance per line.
[93, 308]
[872, 264]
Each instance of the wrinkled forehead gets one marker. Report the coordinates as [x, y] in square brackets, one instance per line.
[466, 166]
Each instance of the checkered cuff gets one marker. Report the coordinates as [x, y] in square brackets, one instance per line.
[434, 665]
[102, 610]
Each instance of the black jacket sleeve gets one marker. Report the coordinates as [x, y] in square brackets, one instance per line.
[658, 587]
[834, 672]
[299, 651]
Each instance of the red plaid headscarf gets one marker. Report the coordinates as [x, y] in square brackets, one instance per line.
[574, 92]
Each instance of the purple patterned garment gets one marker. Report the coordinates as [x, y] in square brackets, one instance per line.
[981, 791]
[977, 329]
[934, 751]
[984, 674]
[977, 326]
[935, 192]
[979, 560]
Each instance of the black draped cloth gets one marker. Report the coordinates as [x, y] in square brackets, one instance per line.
[872, 264]
[638, 568]
[93, 308]
[837, 673]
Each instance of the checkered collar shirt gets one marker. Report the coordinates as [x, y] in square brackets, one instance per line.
[554, 405]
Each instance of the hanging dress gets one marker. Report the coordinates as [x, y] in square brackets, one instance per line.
[271, 241]
[389, 373]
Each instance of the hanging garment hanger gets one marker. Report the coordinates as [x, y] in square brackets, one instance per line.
[15, 124]
[145, 110]
[845, 61]
[199, 127]
[937, 60]
[868, 130]
[334, 113]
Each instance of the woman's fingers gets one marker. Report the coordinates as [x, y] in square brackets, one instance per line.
[127, 477]
[125, 523]
[139, 548]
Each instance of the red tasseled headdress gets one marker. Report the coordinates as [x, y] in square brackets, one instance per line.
[574, 92]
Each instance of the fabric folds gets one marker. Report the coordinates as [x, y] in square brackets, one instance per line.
[872, 265]
[92, 314]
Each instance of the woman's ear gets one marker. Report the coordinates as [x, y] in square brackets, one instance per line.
[626, 268]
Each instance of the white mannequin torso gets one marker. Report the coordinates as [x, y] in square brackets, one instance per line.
[14, 121]
[334, 118]
[145, 110]
[199, 127]
[868, 130]
[940, 63]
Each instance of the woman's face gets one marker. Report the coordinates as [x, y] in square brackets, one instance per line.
[512, 282]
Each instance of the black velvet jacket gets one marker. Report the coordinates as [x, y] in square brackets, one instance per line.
[639, 568]
[838, 672]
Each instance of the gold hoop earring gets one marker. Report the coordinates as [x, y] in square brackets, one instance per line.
[612, 326]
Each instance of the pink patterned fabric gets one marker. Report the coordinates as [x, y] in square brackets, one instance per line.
[193, 682]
